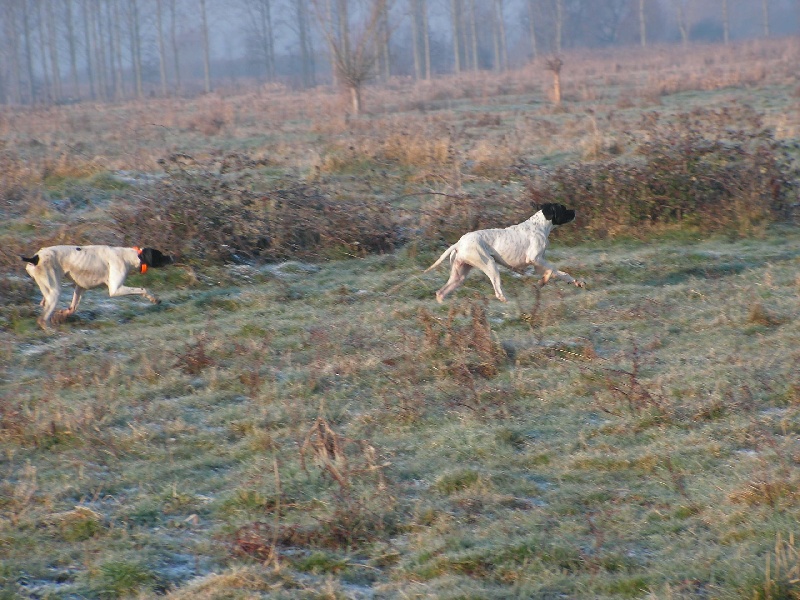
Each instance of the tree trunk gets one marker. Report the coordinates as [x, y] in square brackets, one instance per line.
[455, 7]
[99, 48]
[532, 28]
[174, 41]
[52, 43]
[73, 52]
[87, 42]
[306, 52]
[680, 13]
[726, 25]
[270, 39]
[136, 43]
[43, 67]
[206, 52]
[559, 25]
[426, 38]
[765, 16]
[503, 43]
[162, 46]
[355, 99]
[386, 39]
[13, 88]
[415, 39]
[642, 25]
[473, 37]
[555, 64]
[114, 26]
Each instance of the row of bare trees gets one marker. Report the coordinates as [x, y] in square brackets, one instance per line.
[55, 51]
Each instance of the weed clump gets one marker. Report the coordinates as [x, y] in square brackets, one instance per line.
[712, 170]
[210, 210]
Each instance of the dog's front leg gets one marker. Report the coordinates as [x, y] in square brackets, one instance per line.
[132, 291]
[549, 271]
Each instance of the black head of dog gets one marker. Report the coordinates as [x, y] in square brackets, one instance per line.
[151, 257]
[557, 213]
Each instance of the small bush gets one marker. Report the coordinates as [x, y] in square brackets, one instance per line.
[209, 211]
[710, 170]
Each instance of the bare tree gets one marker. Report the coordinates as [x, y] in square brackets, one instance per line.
[73, 50]
[135, 44]
[642, 24]
[559, 29]
[355, 51]
[473, 36]
[532, 20]
[420, 38]
[206, 50]
[415, 38]
[682, 18]
[114, 27]
[555, 64]
[174, 42]
[11, 75]
[457, 26]
[726, 24]
[87, 33]
[385, 43]
[765, 16]
[162, 46]
[302, 29]
[499, 28]
[260, 23]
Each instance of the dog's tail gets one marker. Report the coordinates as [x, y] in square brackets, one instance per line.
[444, 255]
[34, 260]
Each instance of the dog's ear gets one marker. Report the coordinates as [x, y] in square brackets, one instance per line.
[155, 258]
[549, 211]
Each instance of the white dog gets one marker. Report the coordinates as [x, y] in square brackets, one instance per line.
[88, 267]
[514, 247]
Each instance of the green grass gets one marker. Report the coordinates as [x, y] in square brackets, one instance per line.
[334, 432]
[641, 435]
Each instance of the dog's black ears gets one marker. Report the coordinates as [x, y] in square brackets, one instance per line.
[557, 213]
[154, 258]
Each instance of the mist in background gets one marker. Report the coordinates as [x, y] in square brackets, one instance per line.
[65, 51]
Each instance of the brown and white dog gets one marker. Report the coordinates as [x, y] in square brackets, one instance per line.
[88, 267]
[514, 247]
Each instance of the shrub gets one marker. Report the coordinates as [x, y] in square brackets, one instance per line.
[712, 170]
[210, 211]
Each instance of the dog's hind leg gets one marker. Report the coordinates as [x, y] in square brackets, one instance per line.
[76, 300]
[50, 303]
[458, 272]
[489, 267]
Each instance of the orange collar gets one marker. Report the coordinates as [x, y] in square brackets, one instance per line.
[142, 266]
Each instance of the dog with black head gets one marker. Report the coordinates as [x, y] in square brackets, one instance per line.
[514, 247]
[88, 267]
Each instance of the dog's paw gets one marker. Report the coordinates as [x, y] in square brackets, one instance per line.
[579, 283]
[60, 316]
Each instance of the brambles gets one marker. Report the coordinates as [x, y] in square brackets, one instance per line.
[209, 210]
[709, 170]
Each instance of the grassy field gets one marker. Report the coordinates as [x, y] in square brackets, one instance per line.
[319, 427]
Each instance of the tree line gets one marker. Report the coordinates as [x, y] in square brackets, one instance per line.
[58, 51]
